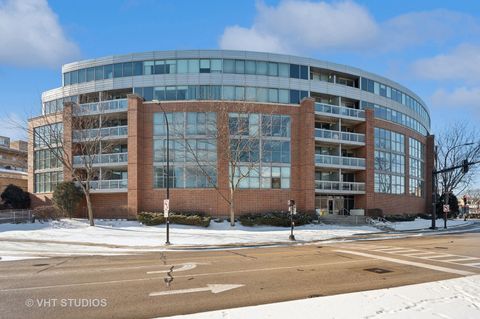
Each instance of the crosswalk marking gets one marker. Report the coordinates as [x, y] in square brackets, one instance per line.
[416, 253]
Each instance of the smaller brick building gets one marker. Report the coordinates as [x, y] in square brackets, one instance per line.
[13, 163]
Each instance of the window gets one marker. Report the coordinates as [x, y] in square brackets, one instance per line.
[192, 142]
[159, 67]
[239, 66]
[74, 77]
[204, 66]
[294, 71]
[228, 66]
[127, 69]
[193, 66]
[389, 162]
[118, 70]
[262, 68]
[90, 74]
[66, 78]
[148, 67]
[182, 66]
[137, 68]
[284, 70]
[272, 69]
[416, 167]
[216, 66]
[250, 67]
[81, 76]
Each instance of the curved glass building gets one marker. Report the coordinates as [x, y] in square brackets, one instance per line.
[334, 138]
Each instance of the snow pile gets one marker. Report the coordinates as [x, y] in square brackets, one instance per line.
[453, 298]
[75, 236]
[420, 224]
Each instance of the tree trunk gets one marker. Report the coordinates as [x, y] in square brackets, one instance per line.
[232, 208]
[89, 208]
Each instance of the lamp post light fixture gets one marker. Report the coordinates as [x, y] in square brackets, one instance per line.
[166, 205]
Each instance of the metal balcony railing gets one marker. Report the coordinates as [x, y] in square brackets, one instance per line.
[331, 160]
[113, 158]
[120, 105]
[109, 184]
[343, 187]
[100, 133]
[339, 110]
[340, 136]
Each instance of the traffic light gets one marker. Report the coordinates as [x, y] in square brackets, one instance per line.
[465, 167]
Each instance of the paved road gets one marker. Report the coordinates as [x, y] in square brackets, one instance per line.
[134, 286]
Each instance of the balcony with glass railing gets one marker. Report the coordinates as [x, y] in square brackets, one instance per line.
[339, 111]
[334, 187]
[339, 161]
[113, 159]
[98, 134]
[112, 106]
[339, 136]
[113, 185]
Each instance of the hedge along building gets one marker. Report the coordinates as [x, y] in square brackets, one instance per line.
[331, 137]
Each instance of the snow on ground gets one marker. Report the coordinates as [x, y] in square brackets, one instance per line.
[75, 237]
[453, 298]
[420, 223]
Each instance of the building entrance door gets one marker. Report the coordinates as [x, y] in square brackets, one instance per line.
[330, 206]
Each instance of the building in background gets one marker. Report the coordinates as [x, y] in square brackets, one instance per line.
[13, 163]
[340, 138]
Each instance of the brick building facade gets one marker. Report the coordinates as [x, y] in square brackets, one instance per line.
[350, 134]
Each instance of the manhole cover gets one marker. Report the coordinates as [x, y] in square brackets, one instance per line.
[39, 265]
[378, 270]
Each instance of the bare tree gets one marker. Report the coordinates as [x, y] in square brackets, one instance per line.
[237, 143]
[457, 143]
[77, 155]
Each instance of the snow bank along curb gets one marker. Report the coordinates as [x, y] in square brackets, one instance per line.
[453, 298]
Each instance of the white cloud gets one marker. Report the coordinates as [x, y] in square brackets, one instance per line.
[459, 98]
[463, 63]
[305, 25]
[30, 35]
[294, 26]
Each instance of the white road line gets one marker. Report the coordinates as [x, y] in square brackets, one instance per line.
[213, 288]
[461, 258]
[410, 263]
[420, 254]
[185, 267]
[473, 265]
[180, 276]
[436, 256]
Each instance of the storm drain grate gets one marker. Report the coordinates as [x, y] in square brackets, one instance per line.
[39, 265]
[314, 296]
[378, 270]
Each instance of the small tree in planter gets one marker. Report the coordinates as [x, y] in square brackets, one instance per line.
[14, 197]
[66, 197]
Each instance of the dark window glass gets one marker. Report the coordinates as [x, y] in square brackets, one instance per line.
[304, 72]
[137, 68]
[294, 71]
[90, 74]
[108, 71]
[240, 66]
[171, 93]
[160, 67]
[118, 70]
[74, 77]
[99, 73]
[148, 93]
[294, 96]
[81, 76]
[371, 86]
[66, 78]
[364, 84]
[127, 69]
[138, 91]
[303, 94]
[228, 66]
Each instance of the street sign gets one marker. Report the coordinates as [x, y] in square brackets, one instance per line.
[446, 208]
[166, 207]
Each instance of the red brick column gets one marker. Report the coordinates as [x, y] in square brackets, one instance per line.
[429, 167]
[135, 154]
[303, 155]
[67, 139]
[368, 128]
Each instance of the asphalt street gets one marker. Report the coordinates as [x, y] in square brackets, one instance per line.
[146, 285]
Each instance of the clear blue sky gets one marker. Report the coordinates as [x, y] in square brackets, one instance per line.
[432, 47]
